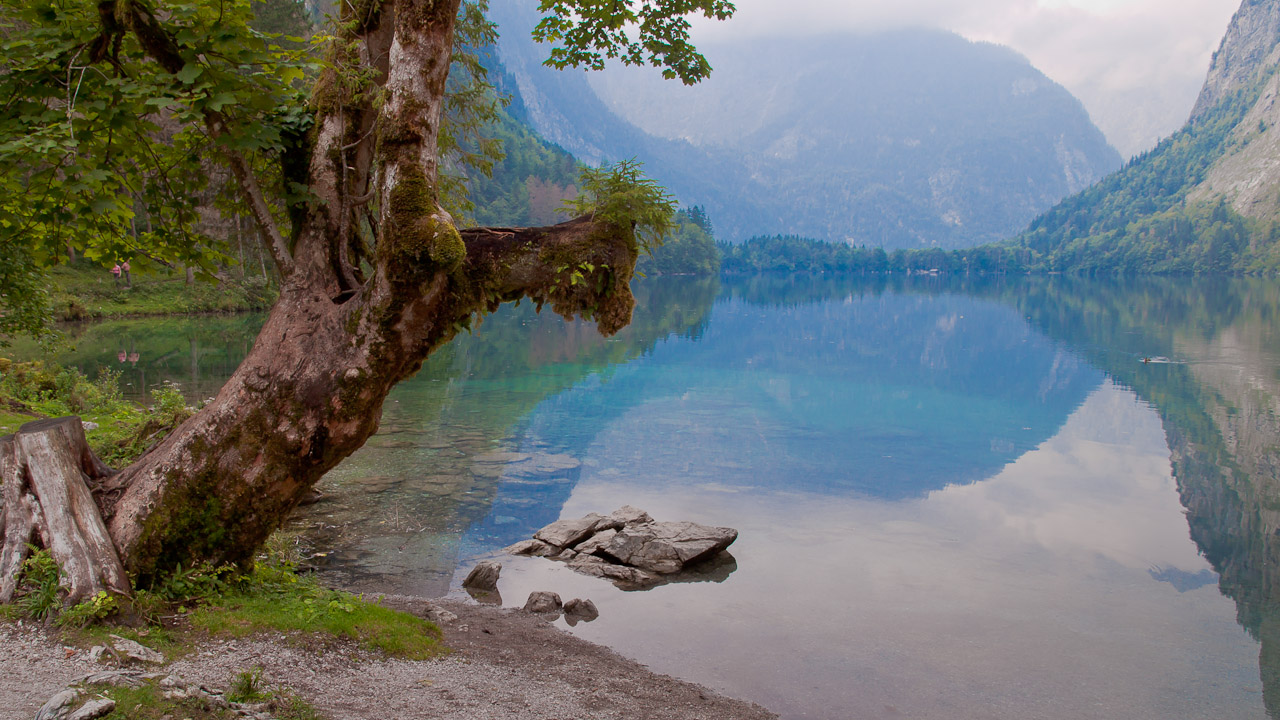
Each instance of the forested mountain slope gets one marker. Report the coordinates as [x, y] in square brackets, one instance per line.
[905, 139]
[1205, 199]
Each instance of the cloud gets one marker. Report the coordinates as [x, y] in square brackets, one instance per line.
[1137, 65]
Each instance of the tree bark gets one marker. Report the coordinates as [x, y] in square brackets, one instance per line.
[47, 469]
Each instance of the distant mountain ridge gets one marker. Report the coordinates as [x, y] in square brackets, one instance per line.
[906, 139]
[1206, 199]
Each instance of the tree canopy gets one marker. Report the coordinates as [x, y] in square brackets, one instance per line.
[118, 116]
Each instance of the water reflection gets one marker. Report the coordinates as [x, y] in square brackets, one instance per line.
[197, 353]
[1219, 404]
[957, 498]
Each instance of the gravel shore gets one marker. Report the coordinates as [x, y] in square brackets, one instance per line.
[506, 664]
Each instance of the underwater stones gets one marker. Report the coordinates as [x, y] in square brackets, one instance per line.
[628, 547]
[484, 576]
[499, 457]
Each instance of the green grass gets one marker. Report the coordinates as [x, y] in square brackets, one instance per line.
[300, 606]
[84, 290]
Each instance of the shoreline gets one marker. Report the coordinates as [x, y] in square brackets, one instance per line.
[504, 664]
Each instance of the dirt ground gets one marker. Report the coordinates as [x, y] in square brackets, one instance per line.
[506, 664]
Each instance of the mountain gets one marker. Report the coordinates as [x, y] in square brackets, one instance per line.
[1206, 199]
[905, 139]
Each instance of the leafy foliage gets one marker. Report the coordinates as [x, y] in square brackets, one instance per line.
[622, 196]
[591, 31]
[39, 593]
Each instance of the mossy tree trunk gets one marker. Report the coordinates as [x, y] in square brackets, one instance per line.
[347, 328]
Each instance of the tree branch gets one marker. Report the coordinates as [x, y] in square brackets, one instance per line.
[271, 236]
[580, 267]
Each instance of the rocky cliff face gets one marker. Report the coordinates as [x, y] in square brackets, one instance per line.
[1247, 173]
[1247, 49]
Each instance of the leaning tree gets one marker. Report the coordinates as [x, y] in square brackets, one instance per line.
[114, 114]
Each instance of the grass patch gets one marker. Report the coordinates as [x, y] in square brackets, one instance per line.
[286, 603]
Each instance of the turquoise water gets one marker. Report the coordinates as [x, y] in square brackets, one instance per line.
[1033, 498]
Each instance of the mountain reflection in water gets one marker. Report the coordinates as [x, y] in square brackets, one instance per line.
[957, 498]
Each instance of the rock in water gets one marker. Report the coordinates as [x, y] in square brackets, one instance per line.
[484, 576]
[537, 548]
[627, 547]
[582, 609]
[543, 602]
[567, 533]
[667, 547]
[628, 515]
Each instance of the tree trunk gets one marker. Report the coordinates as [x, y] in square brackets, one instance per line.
[48, 470]
[310, 392]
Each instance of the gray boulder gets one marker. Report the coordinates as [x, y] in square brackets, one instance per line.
[667, 547]
[536, 548]
[567, 533]
[484, 576]
[93, 709]
[595, 542]
[628, 515]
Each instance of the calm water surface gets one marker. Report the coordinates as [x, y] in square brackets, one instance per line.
[955, 500]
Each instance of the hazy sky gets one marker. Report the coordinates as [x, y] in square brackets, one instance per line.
[1136, 64]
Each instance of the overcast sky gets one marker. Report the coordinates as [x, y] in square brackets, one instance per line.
[1136, 64]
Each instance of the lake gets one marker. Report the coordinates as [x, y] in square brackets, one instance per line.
[1013, 498]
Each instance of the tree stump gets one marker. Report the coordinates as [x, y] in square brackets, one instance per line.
[46, 471]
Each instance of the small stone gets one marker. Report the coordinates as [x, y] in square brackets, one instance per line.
[96, 652]
[543, 602]
[484, 576]
[136, 650]
[93, 709]
[440, 616]
[58, 706]
[89, 426]
[584, 610]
